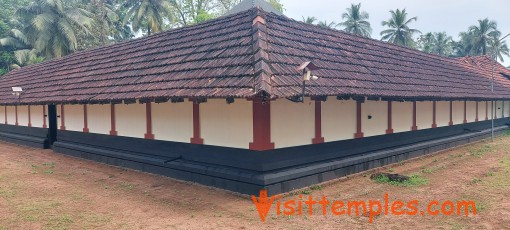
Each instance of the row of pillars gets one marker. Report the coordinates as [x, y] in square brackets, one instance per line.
[29, 116]
[262, 122]
[148, 118]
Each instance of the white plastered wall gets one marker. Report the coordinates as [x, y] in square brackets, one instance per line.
[131, 120]
[481, 110]
[499, 109]
[402, 116]
[2, 114]
[292, 124]
[229, 125]
[23, 115]
[11, 115]
[37, 116]
[338, 119]
[173, 121]
[442, 113]
[471, 111]
[458, 112]
[74, 117]
[424, 114]
[99, 118]
[377, 125]
[507, 108]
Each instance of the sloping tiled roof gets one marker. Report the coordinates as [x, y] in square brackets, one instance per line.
[353, 65]
[246, 54]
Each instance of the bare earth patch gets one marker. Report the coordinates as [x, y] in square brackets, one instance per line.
[43, 190]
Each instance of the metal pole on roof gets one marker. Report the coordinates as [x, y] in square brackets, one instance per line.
[495, 53]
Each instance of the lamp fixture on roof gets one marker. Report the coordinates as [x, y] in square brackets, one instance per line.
[16, 91]
[306, 69]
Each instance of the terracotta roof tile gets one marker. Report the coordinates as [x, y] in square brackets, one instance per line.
[232, 56]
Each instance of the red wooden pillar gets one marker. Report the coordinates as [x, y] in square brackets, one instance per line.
[44, 117]
[434, 114]
[261, 125]
[148, 117]
[85, 119]
[5, 108]
[390, 119]
[486, 110]
[415, 127]
[196, 139]
[451, 113]
[62, 118]
[318, 123]
[16, 111]
[465, 112]
[113, 130]
[476, 118]
[359, 131]
[29, 117]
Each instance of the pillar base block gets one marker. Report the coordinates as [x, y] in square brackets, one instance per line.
[113, 133]
[358, 135]
[414, 128]
[261, 146]
[149, 136]
[450, 123]
[389, 131]
[86, 130]
[197, 141]
[434, 125]
[318, 140]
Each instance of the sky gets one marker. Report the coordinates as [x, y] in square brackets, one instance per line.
[451, 16]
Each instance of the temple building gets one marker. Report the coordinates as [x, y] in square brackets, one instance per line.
[253, 100]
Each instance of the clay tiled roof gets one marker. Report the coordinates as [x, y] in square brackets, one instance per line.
[251, 53]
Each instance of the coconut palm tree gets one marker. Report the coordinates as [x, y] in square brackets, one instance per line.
[309, 20]
[21, 49]
[426, 42]
[15, 39]
[149, 13]
[399, 31]
[442, 44]
[53, 26]
[499, 48]
[436, 43]
[327, 24]
[356, 21]
[105, 18]
[482, 34]
[464, 46]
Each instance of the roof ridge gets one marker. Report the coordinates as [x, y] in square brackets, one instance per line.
[262, 68]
